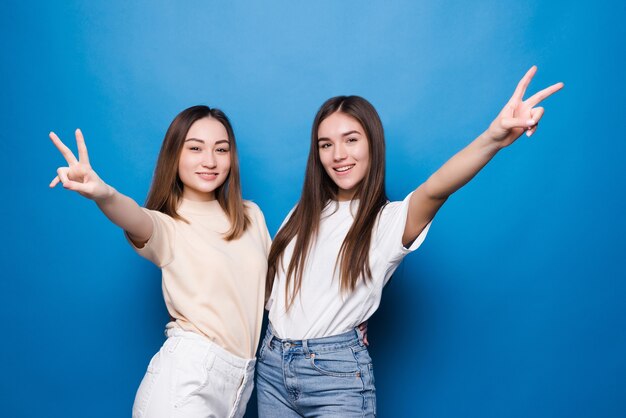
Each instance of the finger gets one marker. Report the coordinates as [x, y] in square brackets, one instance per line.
[520, 90]
[74, 186]
[511, 123]
[65, 151]
[536, 114]
[536, 98]
[55, 181]
[82, 148]
[62, 175]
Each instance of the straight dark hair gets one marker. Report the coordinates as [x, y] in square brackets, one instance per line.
[319, 189]
[166, 190]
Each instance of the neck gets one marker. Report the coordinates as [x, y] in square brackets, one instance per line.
[198, 196]
[345, 195]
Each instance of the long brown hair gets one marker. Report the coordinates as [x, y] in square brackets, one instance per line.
[318, 189]
[166, 190]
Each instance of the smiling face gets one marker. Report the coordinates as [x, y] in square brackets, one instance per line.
[344, 152]
[204, 162]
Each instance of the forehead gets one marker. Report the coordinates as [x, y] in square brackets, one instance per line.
[207, 129]
[338, 124]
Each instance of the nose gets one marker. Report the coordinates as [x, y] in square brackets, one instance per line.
[209, 160]
[339, 152]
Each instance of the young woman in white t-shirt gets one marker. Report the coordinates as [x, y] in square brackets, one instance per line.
[339, 246]
[197, 228]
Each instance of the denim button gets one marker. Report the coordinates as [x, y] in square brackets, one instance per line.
[287, 345]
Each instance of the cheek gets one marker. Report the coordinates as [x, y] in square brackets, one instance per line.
[185, 160]
[226, 162]
[325, 159]
[181, 166]
[364, 153]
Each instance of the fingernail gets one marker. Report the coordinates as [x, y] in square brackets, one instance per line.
[529, 133]
[531, 122]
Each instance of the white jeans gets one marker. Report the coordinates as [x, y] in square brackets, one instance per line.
[193, 377]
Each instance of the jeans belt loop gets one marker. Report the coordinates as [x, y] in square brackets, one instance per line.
[272, 336]
[359, 336]
[305, 348]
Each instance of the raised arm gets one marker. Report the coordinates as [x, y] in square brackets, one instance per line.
[517, 116]
[80, 177]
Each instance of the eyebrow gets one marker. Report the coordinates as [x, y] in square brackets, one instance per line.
[343, 134]
[222, 141]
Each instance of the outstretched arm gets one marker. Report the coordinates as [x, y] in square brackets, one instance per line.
[80, 177]
[517, 117]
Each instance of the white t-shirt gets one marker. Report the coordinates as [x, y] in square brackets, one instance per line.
[320, 309]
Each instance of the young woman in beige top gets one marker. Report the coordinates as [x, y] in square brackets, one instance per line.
[197, 228]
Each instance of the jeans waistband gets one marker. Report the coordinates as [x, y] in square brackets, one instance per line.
[333, 342]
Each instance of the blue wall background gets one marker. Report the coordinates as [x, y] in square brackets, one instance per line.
[514, 306]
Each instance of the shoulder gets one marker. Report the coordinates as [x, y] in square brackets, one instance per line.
[390, 208]
[251, 207]
[254, 211]
[159, 217]
[395, 211]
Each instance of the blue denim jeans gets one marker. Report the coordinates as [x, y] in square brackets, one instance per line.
[320, 377]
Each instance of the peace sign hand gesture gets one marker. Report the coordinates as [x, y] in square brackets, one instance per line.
[519, 115]
[79, 176]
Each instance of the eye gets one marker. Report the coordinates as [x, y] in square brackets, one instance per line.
[325, 145]
[353, 139]
[194, 149]
[222, 150]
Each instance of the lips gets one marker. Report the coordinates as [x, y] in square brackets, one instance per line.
[343, 169]
[205, 175]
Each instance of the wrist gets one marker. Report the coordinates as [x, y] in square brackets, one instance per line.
[107, 195]
[489, 142]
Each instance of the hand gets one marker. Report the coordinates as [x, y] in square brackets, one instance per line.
[363, 328]
[79, 176]
[519, 116]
